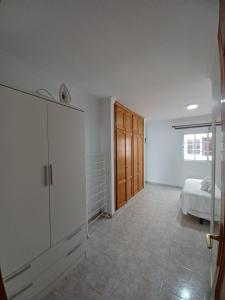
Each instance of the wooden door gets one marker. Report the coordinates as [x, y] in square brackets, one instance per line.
[135, 124]
[66, 156]
[129, 121]
[120, 117]
[135, 163]
[140, 163]
[129, 171]
[120, 168]
[24, 197]
[140, 126]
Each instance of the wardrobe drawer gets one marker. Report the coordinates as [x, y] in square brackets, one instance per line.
[22, 277]
[35, 288]
[75, 237]
[45, 282]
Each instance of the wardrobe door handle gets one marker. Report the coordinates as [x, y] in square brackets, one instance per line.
[51, 175]
[46, 175]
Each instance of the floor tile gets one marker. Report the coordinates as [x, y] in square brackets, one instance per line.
[149, 250]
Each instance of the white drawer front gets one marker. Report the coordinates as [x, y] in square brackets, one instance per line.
[45, 282]
[23, 277]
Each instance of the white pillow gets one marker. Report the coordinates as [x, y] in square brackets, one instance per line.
[205, 184]
[209, 189]
[205, 188]
[206, 179]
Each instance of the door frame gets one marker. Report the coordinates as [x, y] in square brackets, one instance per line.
[2, 288]
[218, 290]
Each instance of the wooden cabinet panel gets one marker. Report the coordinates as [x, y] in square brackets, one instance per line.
[120, 167]
[121, 194]
[135, 124]
[140, 163]
[140, 126]
[129, 173]
[135, 164]
[129, 121]
[119, 117]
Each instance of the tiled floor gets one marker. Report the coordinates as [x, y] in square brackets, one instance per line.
[149, 250]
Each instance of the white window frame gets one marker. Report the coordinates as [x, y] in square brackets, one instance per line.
[196, 156]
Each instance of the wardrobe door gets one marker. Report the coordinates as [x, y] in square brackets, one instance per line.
[24, 197]
[135, 163]
[140, 162]
[120, 117]
[135, 124]
[140, 126]
[67, 167]
[120, 168]
[129, 173]
[129, 121]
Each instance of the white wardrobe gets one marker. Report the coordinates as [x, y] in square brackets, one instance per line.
[42, 191]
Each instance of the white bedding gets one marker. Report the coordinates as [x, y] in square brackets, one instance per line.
[196, 202]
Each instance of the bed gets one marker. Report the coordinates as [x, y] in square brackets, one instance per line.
[196, 202]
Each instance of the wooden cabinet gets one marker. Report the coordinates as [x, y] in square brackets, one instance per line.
[129, 154]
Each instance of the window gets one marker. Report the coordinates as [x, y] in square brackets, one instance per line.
[198, 146]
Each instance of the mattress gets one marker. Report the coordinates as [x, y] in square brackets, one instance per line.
[196, 202]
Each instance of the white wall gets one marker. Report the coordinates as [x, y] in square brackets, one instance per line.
[107, 144]
[21, 75]
[164, 153]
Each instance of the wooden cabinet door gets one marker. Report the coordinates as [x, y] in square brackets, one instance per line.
[140, 163]
[135, 124]
[141, 126]
[66, 155]
[24, 197]
[135, 163]
[120, 168]
[129, 121]
[129, 171]
[119, 117]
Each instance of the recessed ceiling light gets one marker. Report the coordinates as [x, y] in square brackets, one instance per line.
[222, 100]
[192, 106]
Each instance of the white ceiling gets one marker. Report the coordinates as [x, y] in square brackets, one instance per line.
[154, 55]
